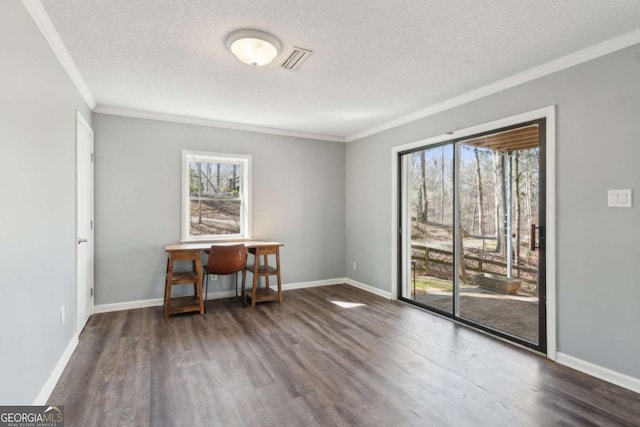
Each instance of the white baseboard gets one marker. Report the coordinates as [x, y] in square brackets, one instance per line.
[155, 302]
[48, 387]
[613, 377]
[588, 368]
[131, 305]
[368, 288]
[302, 285]
[583, 366]
[597, 371]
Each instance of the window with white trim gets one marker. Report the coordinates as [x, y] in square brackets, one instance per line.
[216, 196]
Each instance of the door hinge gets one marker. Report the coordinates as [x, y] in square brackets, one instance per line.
[93, 157]
[91, 291]
[92, 224]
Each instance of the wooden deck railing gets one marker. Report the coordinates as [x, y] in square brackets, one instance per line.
[472, 263]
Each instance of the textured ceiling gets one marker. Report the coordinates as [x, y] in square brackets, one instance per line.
[373, 61]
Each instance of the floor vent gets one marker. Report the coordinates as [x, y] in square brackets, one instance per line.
[297, 56]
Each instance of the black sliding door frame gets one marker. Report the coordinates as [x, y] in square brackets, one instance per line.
[541, 346]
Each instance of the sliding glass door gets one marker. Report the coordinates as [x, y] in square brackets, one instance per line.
[471, 231]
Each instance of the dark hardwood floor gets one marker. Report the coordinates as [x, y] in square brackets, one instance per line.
[310, 362]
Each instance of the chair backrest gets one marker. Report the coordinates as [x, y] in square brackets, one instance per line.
[226, 259]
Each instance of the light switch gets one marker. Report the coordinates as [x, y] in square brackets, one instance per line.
[619, 199]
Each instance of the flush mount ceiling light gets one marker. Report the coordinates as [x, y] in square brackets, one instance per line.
[253, 47]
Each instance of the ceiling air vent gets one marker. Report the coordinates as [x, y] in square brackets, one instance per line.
[297, 56]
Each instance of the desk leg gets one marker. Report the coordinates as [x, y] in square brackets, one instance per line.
[266, 278]
[195, 284]
[278, 275]
[167, 286]
[254, 289]
[197, 265]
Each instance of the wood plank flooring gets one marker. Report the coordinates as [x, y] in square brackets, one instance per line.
[311, 362]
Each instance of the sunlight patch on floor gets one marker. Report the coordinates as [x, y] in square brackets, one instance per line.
[345, 304]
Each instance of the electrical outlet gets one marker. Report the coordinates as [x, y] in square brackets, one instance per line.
[355, 266]
[213, 277]
[62, 314]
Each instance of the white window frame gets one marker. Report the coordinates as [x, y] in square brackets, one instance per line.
[244, 160]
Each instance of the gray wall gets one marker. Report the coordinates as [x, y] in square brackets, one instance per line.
[298, 199]
[38, 104]
[598, 148]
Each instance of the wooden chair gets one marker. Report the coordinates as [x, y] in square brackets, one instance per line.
[223, 260]
[261, 268]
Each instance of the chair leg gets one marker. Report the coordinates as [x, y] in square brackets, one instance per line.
[239, 293]
[243, 293]
[256, 281]
[235, 279]
[206, 291]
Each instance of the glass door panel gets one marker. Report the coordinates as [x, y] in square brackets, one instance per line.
[428, 241]
[498, 181]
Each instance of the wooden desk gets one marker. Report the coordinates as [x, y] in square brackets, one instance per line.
[263, 269]
[204, 246]
[192, 252]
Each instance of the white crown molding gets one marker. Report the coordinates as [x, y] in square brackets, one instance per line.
[42, 20]
[568, 61]
[118, 111]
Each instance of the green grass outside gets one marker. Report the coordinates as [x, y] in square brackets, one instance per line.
[431, 282]
[422, 283]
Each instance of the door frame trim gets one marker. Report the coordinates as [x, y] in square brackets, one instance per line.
[82, 122]
[548, 113]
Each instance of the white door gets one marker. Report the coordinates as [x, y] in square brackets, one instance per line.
[84, 220]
